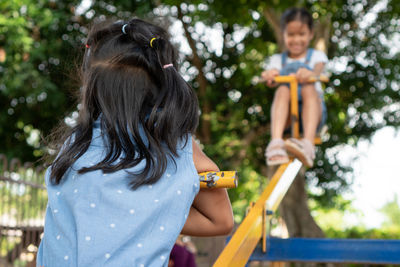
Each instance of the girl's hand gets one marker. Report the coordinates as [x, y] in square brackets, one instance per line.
[268, 76]
[303, 75]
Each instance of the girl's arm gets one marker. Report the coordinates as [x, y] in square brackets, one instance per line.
[303, 74]
[269, 75]
[211, 211]
[319, 68]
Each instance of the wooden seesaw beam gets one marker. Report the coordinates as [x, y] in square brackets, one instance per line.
[253, 228]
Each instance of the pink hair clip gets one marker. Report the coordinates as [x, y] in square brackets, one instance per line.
[168, 65]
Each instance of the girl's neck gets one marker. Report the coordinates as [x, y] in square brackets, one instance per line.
[298, 56]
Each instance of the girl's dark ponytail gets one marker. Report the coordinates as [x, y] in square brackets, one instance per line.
[145, 109]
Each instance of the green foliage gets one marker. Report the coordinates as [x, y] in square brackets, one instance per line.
[22, 203]
[391, 210]
[361, 232]
[34, 85]
[335, 225]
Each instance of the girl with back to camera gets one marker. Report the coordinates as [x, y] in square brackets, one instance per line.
[125, 182]
[304, 63]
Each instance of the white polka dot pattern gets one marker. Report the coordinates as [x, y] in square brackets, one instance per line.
[104, 212]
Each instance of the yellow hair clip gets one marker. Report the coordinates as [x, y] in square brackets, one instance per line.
[151, 41]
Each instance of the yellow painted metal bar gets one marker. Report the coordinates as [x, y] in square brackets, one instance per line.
[283, 185]
[292, 78]
[294, 109]
[320, 78]
[285, 79]
[265, 229]
[317, 140]
[246, 237]
[222, 179]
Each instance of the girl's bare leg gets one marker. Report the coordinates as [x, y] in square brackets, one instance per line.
[312, 111]
[275, 152]
[280, 111]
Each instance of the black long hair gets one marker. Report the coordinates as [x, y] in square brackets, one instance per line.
[297, 14]
[126, 85]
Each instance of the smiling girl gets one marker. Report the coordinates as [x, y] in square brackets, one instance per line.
[303, 62]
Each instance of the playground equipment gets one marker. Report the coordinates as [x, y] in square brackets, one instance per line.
[222, 179]
[254, 226]
[242, 246]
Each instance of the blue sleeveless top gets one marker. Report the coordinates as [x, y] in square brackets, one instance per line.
[95, 219]
[293, 67]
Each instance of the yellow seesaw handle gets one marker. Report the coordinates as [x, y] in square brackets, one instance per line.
[222, 179]
[292, 78]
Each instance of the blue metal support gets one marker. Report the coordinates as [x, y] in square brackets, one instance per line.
[330, 250]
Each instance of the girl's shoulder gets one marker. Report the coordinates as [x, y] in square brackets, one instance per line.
[185, 144]
[273, 62]
[276, 56]
[318, 56]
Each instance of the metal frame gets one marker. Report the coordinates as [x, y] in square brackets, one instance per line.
[330, 250]
[244, 241]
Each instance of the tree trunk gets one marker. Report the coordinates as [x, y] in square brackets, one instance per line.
[322, 33]
[205, 119]
[272, 16]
